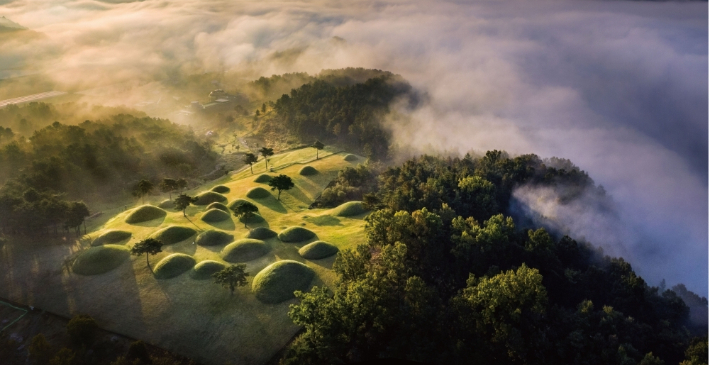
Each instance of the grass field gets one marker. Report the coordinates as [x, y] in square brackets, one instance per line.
[187, 313]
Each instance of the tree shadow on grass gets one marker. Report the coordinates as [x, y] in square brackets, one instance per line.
[185, 246]
[325, 262]
[298, 194]
[193, 223]
[271, 203]
[323, 220]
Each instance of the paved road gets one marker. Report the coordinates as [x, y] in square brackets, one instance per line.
[29, 98]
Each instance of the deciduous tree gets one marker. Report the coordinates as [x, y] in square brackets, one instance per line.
[149, 246]
[281, 182]
[231, 277]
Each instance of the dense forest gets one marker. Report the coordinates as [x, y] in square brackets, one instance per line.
[448, 277]
[60, 165]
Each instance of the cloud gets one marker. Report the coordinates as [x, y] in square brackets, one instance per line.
[620, 88]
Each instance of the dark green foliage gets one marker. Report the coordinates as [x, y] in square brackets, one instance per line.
[317, 250]
[296, 234]
[168, 186]
[183, 201]
[249, 159]
[697, 352]
[318, 145]
[231, 277]
[281, 182]
[142, 188]
[173, 265]
[266, 152]
[40, 350]
[209, 197]
[214, 238]
[149, 246]
[145, 213]
[111, 236]
[261, 233]
[173, 234]
[237, 202]
[278, 281]
[244, 250]
[244, 211]
[220, 189]
[82, 329]
[352, 184]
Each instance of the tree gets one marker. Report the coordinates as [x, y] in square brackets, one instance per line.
[76, 215]
[244, 210]
[168, 186]
[142, 188]
[263, 108]
[149, 246]
[281, 182]
[231, 277]
[318, 146]
[266, 152]
[82, 328]
[183, 201]
[250, 158]
[181, 184]
[40, 350]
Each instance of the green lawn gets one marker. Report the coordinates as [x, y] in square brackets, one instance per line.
[184, 313]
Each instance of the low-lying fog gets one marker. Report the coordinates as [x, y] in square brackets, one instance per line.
[620, 88]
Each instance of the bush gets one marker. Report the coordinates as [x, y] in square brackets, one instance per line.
[111, 236]
[244, 250]
[215, 215]
[296, 234]
[258, 193]
[308, 171]
[349, 209]
[219, 206]
[173, 234]
[145, 213]
[277, 282]
[213, 238]
[204, 269]
[100, 259]
[261, 233]
[209, 197]
[173, 265]
[317, 250]
[263, 178]
[82, 329]
[220, 189]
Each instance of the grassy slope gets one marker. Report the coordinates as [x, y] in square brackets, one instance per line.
[193, 317]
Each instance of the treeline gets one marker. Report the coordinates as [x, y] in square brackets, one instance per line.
[447, 277]
[60, 165]
[349, 115]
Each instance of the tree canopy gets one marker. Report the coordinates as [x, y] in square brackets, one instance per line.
[281, 182]
[231, 277]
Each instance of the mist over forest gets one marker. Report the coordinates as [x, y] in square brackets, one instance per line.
[587, 118]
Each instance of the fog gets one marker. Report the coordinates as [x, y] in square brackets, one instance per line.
[620, 88]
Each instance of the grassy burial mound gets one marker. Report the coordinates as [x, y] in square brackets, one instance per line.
[173, 234]
[100, 259]
[350, 158]
[263, 178]
[173, 265]
[145, 213]
[204, 269]
[277, 282]
[261, 233]
[308, 171]
[219, 206]
[220, 189]
[213, 238]
[215, 215]
[237, 202]
[317, 250]
[244, 250]
[296, 234]
[258, 193]
[209, 197]
[167, 204]
[111, 236]
[349, 209]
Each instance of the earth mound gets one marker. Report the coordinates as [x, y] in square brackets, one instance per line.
[349, 209]
[258, 193]
[204, 269]
[263, 178]
[236, 202]
[213, 238]
[308, 171]
[209, 197]
[317, 250]
[220, 189]
[219, 206]
[261, 233]
[111, 236]
[296, 234]
[350, 158]
[215, 215]
[100, 259]
[277, 282]
[244, 250]
[173, 234]
[145, 213]
[173, 265]
[167, 204]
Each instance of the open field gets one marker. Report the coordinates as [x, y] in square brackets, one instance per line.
[196, 318]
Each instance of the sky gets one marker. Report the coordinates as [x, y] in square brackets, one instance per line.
[620, 88]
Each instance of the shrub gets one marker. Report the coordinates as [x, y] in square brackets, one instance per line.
[219, 206]
[349, 209]
[215, 215]
[209, 197]
[111, 236]
[308, 171]
[204, 269]
[258, 193]
[100, 259]
[173, 234]
[145, 213]
[277, 282]
[263, 178]
[213, 238]
[261, 233]
[296, 234]
[82, 329]
[173, 265]
[243, 250]
[317, 250]
[220, 189]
